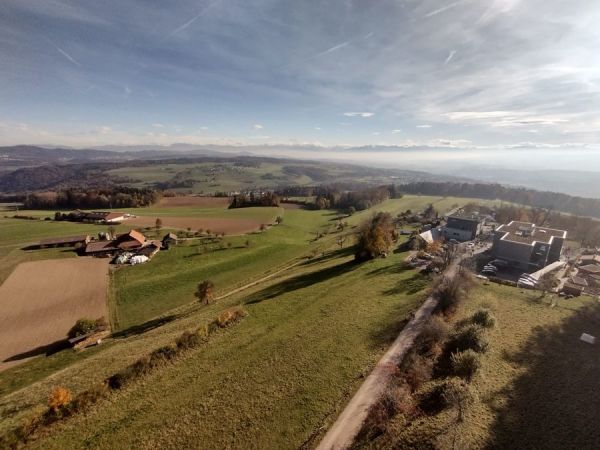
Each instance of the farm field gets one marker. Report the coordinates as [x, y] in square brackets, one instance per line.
[269, 382]
[537, 385]
[40, 301]
[215, 225]
[15, 234]
[233, 175]
[192, 201]
[301, 307]
[144, 292]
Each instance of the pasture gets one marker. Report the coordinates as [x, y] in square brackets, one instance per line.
[40, 301]
[270, 382]
[312, 332]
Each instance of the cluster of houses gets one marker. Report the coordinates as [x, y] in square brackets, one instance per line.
[132, 247]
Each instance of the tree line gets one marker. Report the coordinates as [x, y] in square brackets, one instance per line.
[357, 200]
[248, 200]
[115, 197]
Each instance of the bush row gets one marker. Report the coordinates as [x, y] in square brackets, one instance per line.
[450, 357]
[61, 404]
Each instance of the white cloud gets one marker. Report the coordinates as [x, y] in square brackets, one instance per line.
[318, 128]
[204, 128]
[359, 114]
[507, 118]
[424, 126]
[105, 130]
[450, 56]
[376, 133]
[258, 126]
[334, 48]
[442, 9]
[396, 131]
[158, 125]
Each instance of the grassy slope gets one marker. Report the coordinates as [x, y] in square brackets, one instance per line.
[146, 291]
[272, 380]
[309, 340]
[306, 225]
[538, 384]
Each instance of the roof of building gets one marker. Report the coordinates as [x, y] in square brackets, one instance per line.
[113, 215]
[529, 233]
[578, 281]
[100, 246]
[591, 268]
[471, 217]
[170, 236]
[572, 287]
[590, 258]
[65, 240]
[134, 234]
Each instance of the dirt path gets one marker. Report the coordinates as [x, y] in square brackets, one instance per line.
[260, 280]
[342, 433]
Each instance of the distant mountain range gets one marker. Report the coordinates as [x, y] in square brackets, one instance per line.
[30, 168]
[506, 167]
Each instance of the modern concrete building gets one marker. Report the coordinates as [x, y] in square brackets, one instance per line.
[527, 246]
[463, 227]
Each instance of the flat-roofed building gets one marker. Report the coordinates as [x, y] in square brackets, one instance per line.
[527, 246]
[463, 226]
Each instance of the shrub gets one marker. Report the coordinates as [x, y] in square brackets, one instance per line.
[456, 393]
[379, 415]
[472, 337]
[435, 331]
[162, 354]
[59, 398]
[130, 373]
[484, 317]
[450, 293]
[465, 364]
[89, 397]
[229, 316]
[188, 340]
[418, 372]
[82, 326]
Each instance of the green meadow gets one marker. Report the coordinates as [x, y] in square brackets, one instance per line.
[273, 381]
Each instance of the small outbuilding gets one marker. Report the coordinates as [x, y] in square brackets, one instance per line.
[168, 239]
[70, 241]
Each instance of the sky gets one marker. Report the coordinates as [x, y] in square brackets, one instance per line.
[467, 74]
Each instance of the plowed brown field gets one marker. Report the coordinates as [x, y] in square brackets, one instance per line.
[227, 226]
[191, 201]
[40, 301]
